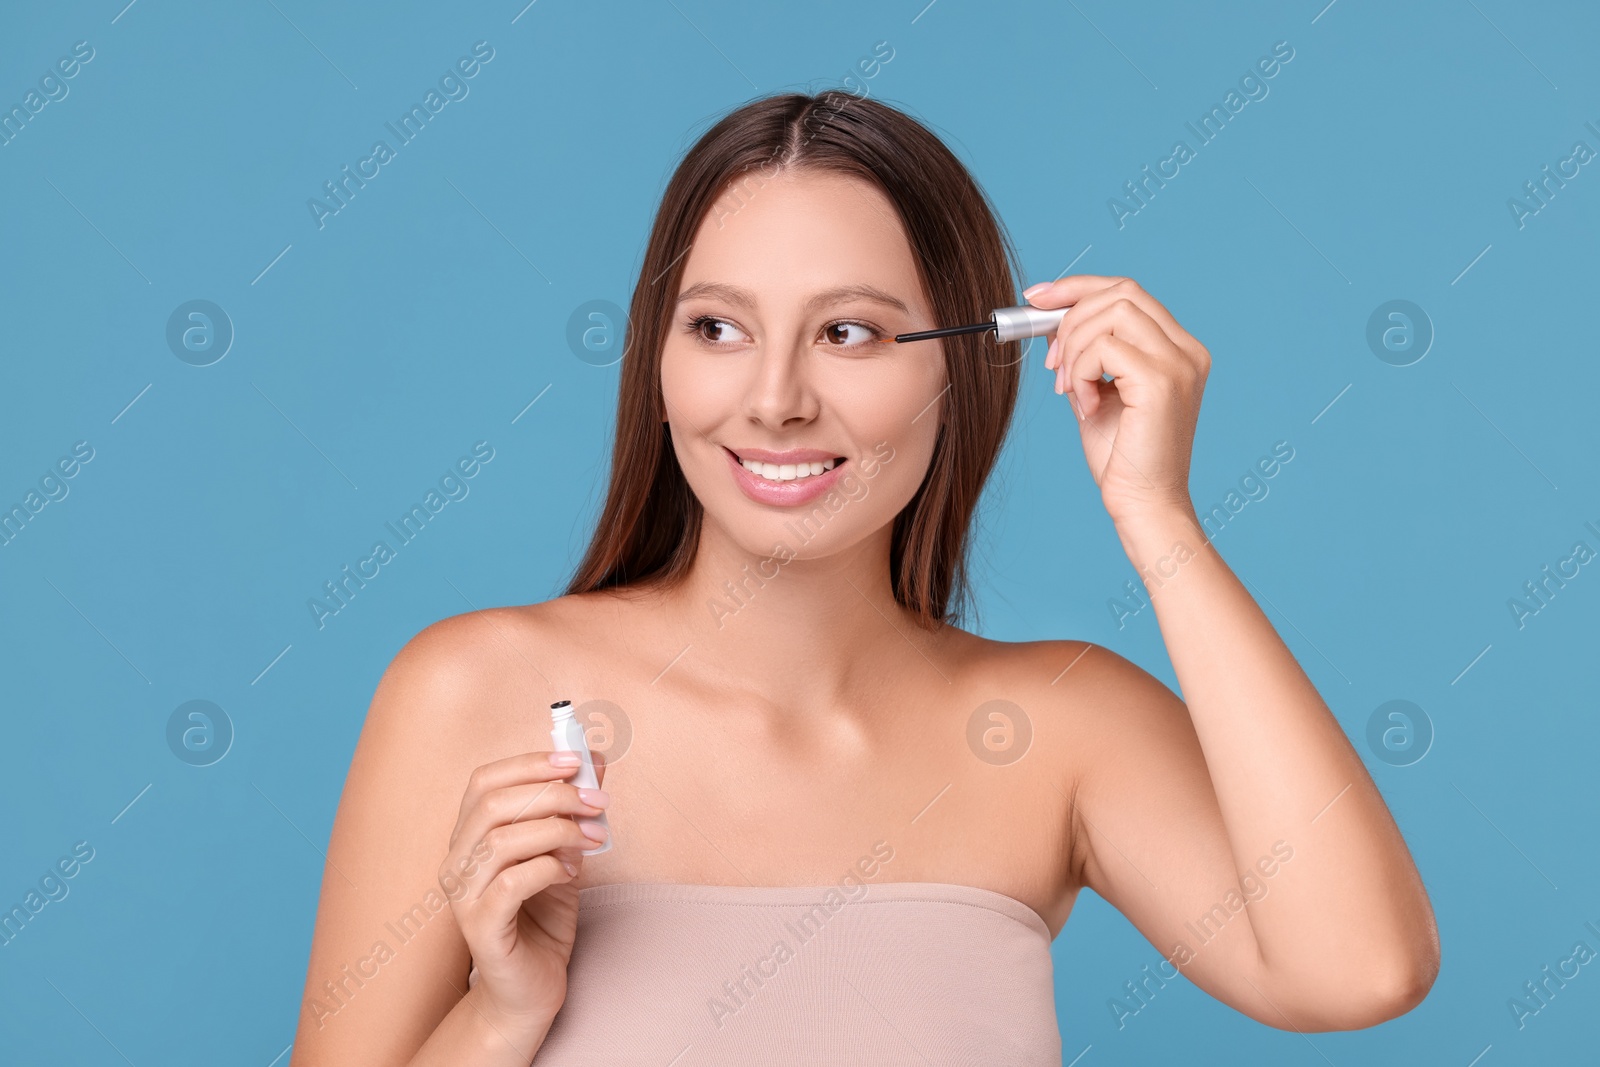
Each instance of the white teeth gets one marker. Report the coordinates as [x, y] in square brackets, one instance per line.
[787, 472]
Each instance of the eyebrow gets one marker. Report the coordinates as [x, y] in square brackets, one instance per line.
[745, 299]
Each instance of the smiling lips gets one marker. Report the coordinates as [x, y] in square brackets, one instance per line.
[784, 479]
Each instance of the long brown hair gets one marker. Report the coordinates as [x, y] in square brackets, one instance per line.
[650, 527]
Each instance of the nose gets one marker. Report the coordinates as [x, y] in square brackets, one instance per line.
[781, 392]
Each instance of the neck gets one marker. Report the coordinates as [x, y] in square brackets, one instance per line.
[800, 634]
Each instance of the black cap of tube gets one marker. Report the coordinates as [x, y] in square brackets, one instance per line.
[560, 704]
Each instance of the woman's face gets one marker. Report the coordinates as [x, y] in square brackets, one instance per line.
[785, 289]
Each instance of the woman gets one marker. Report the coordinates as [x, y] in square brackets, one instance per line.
[846, 829]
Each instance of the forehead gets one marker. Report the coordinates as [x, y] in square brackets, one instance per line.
[800, 231]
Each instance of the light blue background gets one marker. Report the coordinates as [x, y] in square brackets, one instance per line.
[429, 312]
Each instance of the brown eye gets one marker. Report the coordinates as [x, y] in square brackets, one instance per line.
[700, 324]
[835, 333]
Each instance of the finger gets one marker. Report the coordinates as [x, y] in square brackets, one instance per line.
[497, 907]
[512, 770]
[514, 885]
[1096, 304]
[518, 803]
[1106, 354]
[1068, 290]
[506, 846]
[1109, 402]
[1094, 291]
[1121, 318]
[1085, 310]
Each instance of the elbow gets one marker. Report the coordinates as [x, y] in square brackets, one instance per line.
[1407, 985]
[1387, 992]
[1381, 992]
[1407, 980]
[1394, 978]
[1369, 982]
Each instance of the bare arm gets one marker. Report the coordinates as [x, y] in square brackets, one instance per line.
[1244, 827]
[1241, 834]
[387, 979]
[468, 1036]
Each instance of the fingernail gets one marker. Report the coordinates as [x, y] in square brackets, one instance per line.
[595, 798]
[592, 830]
[1030, 291]
[564, 759]
[1050, 354]
[570, 868]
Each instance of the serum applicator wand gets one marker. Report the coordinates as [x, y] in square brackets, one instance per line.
[1008, 324]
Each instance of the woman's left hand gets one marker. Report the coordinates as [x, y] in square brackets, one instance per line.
[1137, 430]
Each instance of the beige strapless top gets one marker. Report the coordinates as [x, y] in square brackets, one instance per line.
[893, 973]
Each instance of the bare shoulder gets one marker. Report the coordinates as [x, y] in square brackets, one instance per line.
[439, 707]
[1079, 698]
[453, 650]
[1081, 678]
[1112, 714]
[467, 662]
[462, 692]
[1097, 718]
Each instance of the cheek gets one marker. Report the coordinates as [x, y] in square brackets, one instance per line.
[694, 386]
[894, 444]
[674, 376]
[696, 402]
[903, 410]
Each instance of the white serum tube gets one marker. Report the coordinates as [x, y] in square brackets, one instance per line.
[566, 734]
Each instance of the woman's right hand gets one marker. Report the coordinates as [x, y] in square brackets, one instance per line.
[508, 874]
